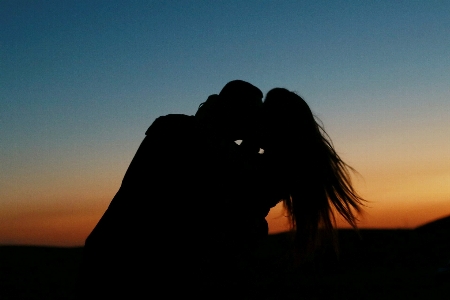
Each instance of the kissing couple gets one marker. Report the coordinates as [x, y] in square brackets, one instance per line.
[191, 208]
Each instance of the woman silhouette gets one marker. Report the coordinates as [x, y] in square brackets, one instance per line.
[301, 169]
[307, 174]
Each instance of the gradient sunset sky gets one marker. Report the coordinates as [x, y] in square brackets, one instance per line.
[81, 81]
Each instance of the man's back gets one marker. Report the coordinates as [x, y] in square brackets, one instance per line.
[167, 216]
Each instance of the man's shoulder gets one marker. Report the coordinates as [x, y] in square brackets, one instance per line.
[171, 122]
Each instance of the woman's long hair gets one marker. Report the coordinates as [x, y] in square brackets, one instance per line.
[316, 182]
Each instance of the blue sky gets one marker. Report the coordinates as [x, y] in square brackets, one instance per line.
[80, 82]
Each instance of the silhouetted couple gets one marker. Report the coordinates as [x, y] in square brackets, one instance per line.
[192, 205]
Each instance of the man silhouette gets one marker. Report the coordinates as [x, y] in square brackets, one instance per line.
[168, 225]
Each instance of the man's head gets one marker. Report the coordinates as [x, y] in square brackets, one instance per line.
[235, 111]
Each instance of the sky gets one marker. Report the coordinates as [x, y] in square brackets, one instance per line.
[81, 81]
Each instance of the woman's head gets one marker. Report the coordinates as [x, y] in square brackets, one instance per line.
[315, 180]
[287, 121]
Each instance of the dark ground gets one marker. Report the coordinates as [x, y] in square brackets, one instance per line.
[378, 264]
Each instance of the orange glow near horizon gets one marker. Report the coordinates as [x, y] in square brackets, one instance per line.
[403, 197]
[68, 229]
